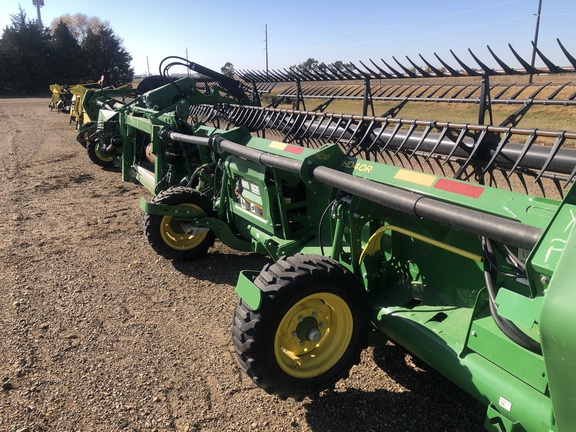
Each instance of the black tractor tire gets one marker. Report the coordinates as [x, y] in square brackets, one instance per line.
[97, 156]
[87, 130]
[166, 235]
[310, 328]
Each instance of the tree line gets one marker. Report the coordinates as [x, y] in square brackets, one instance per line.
[74, 50]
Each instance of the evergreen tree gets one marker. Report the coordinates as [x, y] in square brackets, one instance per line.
[66, 55]
[105, 55]
[25, 63]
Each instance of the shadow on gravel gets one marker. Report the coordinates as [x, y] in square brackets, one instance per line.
[424, 401]
[220, 267]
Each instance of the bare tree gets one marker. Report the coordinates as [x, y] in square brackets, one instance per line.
[79, 24]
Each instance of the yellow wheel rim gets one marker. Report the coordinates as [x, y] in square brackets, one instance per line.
[313, 335]
[175, 237]
[101, 156]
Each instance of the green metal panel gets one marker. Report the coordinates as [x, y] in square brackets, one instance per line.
[247, 291]
[558, 315]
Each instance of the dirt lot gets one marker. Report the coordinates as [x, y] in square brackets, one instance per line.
[98, 333]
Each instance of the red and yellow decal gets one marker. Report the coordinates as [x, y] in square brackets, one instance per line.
[460, 188]
[415, 177]
[286, 147]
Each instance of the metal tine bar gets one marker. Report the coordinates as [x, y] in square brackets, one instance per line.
[327, 91]
[524, 87]
[503, 140]
[368, 130]
[529, 141]
[409, 133]
[362, 73]
[507, 69]
[467, 68]
[354, 74]
[385, 73]
[392, 135]
[307, 74]
[477, 145]
[240, 115]
[438, 72]
[275, 119]
[405, 69]
[320, 122]
[392, 89]
[245, 118]
[329, 139]
[447, 91]
[338, 121]
[524, 63]
[500, 93]
[474, 90]
[359, 128]
[350, 90]
[392, 112]
[330, 74]
[419, 69]
[406, 88]
[415, 87]
[558, 90]
[513, 119]
[429, 127]
[323, 105]
[459, 139]
[301, 126]
[319, 73]
[538, 90]
[441, 136]
[304, 132]
[570, 58]
[425, 88]
[252, 119]
[571, 177]
[357, 91]
[260, 121]
[397, 73]
[281, 121]
[453, 71]
[293, 122]
[277, 75]
[374, 74]
[440, 87]
[331, 119]
[377, 137]
[455, 95]
[265, 120]
[486, 69]
[343, 73]
[551, 66]
[555, 147]
[380, 90]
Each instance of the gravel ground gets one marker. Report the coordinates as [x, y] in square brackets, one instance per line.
[98, 333]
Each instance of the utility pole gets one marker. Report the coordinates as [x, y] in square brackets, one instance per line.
[266, 46]
[38, 4]
[148, 65]
[535, 38]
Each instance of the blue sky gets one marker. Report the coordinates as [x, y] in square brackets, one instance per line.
[230, 31]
